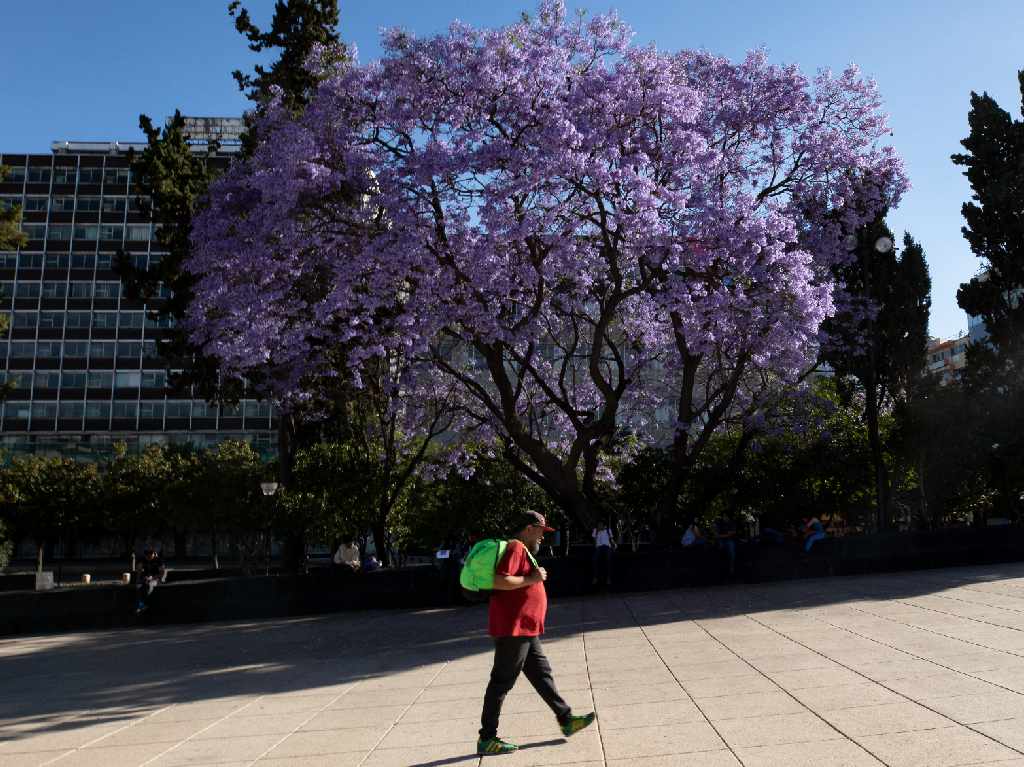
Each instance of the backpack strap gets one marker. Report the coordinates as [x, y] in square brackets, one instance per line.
[529, 554]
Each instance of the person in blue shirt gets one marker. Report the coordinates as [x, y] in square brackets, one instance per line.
[813, 531]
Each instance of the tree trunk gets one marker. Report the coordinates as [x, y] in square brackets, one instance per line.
[39, 555]
[213, 549]
[380, 540]
[877, 456]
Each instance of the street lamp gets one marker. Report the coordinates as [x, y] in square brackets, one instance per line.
[268, 489]
[883, 244]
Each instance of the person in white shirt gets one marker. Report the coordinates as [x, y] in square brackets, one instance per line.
[347, 556]
[604, 544]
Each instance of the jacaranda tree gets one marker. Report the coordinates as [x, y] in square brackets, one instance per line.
[587, 237]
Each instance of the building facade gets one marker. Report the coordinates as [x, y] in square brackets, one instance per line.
[948, 357]
[82, 358]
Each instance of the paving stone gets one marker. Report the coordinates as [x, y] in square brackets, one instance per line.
[944, 747]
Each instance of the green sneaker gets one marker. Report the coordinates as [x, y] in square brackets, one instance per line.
[576, 723]
[487, 746]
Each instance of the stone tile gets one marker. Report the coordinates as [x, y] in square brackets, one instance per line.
[303, 744]
[652, 694]
[721, 758]
[110, 756]
[902, 716]
[202, 752]
[663, 713]
[345, 718]
[1009, 732]
[970, 709]
[828, 753]
[659, 741]
[422, 756]
[325, 760]
[749, 705]
[774, 730]
[845, 696]
[945, 747]
[729, 685]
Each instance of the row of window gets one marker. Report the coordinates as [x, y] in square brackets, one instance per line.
[62, 289]
[12, 260]
[69, 204]
[67, 175]
[104, 350]
[86, 320]
[22, 411]
[69, 232]
[81, 379]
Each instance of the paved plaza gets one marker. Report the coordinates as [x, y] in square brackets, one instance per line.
[910, 669]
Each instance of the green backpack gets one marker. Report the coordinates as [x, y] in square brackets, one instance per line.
[477, 576]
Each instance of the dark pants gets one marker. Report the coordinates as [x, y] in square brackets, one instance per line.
[512, 655]
[144, 590]
[603, 563]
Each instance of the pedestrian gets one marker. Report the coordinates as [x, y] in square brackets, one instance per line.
[518, 606]
[604, 545]
[725, 538]
[813, 531]
[151, 572]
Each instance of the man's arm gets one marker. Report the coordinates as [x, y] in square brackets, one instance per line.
[513, 582]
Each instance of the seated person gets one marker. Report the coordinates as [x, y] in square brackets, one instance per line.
[150, 573]
[813, 531]
[693, 536]
[347, 556]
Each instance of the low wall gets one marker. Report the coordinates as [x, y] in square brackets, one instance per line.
[325, 590]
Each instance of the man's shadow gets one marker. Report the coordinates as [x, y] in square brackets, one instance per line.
[458, 759]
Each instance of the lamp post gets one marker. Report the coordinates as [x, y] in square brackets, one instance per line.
[268, 488]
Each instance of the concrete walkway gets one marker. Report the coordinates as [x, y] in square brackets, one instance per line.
[922, 669]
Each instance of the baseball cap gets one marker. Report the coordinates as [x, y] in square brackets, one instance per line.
[528, 518]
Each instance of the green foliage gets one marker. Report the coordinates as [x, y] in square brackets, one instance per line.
[298, 27]
[482, 498]
[135, 497]
[995, 230]
[11, 236]
[45, 496]
[6, 546]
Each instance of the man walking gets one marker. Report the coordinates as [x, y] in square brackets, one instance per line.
[518, 606]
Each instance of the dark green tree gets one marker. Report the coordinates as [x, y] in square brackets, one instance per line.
[878, 341]
[11, 236]
[297, 29]
[994, 166]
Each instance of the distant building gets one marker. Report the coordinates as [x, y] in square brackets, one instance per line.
[82, 357]
[947, 357]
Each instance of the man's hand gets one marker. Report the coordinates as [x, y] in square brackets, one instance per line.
[538, 575]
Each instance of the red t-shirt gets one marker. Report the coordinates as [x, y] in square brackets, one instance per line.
[519, 612]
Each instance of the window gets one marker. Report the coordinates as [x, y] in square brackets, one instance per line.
[130, 319]
[34, 231]
[149, 350]
[6, 290]
[89, 204]
[100, 379]
[48, 350]
[37, 204]
[231, 411]
[24, 350]
[21, 379]
[111, 232]
[127, 379]
[55, 289]
[104, 260]
[104, 320]
[125, 409]
[154, 379]
[90, 175]
[139, 205]
[27, 290]
[51, 320]
[38, 175]
[95, 409]
[72, 380]
[15, 175]
[9, 260]
[83, 261]
[113, 204]
[30, 261]
[203, 410]
[57, 260]
[44, 411]
[78, 350]
[10, 203]
[139, 261]
[138, 232]
[101, 349]
[86, 232]
[129, 349]
[72, 409]
[107, 289]
[78, 320]
[47, 379]
[151, 409]
[80, 290]
[115, 176]
[63, 204]
[64, 174]
[26, 319]
[257, 409]
[60, 232]
[178, 408]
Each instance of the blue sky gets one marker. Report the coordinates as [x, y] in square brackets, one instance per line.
[86, 70]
